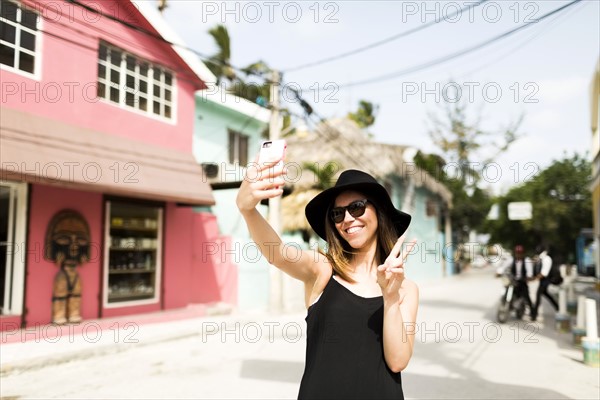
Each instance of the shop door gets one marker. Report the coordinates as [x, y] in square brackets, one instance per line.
[12, 246]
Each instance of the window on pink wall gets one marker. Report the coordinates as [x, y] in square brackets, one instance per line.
[132, 82]
[18, 37]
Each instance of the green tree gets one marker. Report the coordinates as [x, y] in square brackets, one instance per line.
[219, 63]
[465, 144]
[465, 148]
[561, 208]
[365, 115]
[470, 208]
[259, 93]
[248, 87]
[324, 175]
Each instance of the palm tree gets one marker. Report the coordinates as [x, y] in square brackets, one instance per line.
[365, 115]
[219, 63]
[324, 175]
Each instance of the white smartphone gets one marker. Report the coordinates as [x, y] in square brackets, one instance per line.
[272, 152]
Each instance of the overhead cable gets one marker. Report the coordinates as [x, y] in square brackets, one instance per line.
[384, 41]
[440, 60]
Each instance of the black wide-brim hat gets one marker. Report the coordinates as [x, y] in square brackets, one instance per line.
[359, 181]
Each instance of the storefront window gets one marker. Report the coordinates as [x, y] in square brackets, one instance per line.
[133, 254]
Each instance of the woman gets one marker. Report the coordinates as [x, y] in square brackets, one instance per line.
[361, 308]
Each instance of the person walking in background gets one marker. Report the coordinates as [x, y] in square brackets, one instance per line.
[545, 274]
[522, 276]
[361, 308]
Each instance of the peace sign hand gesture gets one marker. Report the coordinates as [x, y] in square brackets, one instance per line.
[390, 274]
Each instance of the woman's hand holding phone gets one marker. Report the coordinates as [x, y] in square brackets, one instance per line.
[272, 152]
[264, 177]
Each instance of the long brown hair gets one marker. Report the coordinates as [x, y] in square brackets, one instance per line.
[340, 254]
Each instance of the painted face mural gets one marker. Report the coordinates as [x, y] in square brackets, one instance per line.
[68, 239]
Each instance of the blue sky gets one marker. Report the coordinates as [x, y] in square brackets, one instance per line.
[543, 72]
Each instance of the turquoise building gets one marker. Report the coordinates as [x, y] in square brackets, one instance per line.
[227, 135]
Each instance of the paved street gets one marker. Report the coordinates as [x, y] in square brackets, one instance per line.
[460, 353]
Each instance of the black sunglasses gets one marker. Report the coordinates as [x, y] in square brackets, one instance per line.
[356, 209]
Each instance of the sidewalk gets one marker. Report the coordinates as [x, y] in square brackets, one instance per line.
[43, 345]
[460, 352]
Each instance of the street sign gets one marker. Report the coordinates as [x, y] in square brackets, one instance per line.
[519, 210]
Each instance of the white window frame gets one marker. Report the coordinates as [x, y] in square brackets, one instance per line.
[37, 54]
[15, 276]
[123, 89]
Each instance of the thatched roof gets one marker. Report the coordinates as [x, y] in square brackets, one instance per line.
[292, 209]
[342, 142]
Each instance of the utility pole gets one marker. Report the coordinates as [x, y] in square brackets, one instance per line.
[448, 239]
[274, 216]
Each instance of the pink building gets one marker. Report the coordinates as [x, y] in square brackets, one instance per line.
[97, 116]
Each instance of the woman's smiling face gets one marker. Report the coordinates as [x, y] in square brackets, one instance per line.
[360, 232]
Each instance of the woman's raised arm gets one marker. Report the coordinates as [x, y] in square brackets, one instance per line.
[265, 182]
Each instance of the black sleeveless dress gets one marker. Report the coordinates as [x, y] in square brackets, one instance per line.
[344, 349]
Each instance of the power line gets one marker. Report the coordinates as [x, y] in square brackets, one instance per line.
[328, 129]
[534, 36]
[203, 57]
[452, 56]
[383, 41]
[327, 136]
[557, 20]
[92, 36]
[183, 74]
[246, 121]
[245, 124]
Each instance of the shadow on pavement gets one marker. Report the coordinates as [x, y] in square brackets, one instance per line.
[272, 370]
[430, 387]
[468, 383]
[453, 305]
[415, 385]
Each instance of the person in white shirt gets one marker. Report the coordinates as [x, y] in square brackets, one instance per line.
[544, 266]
